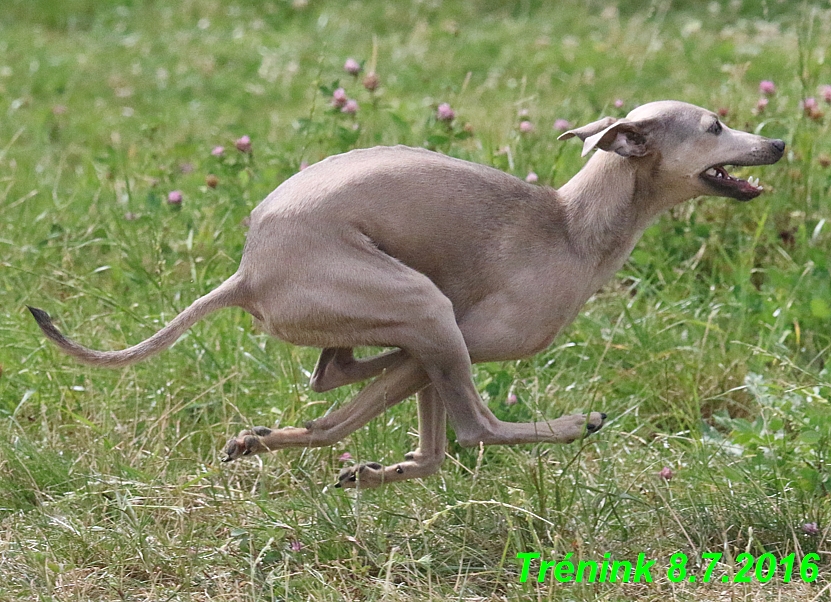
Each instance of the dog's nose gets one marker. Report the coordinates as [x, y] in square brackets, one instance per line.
[778, 145]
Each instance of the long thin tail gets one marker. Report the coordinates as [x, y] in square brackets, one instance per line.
[225, 295]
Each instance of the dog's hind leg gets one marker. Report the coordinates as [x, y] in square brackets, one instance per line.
[392, 387]
[424, 461]
[337, 366]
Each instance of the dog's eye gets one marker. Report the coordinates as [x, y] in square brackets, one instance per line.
[715, 128]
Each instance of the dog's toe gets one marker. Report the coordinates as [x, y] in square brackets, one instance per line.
[595, 421]
[367, 475]
[347, 478]
[247, 443]
[233, 450]
[250, 444]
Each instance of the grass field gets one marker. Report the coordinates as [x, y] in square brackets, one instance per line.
[708, 351]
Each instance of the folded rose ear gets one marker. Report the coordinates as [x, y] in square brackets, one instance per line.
[588, 130]
[626, 138]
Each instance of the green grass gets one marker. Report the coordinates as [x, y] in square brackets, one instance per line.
[708, 351]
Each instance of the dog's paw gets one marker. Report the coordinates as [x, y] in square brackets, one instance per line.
[365, 476]
[247, 443]
[371, 474]
[595, 421]
[582, 425]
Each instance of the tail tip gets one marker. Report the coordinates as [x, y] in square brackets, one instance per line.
[41, 317]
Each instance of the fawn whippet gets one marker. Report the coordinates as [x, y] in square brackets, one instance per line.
[450, 263]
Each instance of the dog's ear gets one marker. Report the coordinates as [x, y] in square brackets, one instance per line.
[588, 130]
[626, 138]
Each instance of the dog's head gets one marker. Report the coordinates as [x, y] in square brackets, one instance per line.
[686, 148]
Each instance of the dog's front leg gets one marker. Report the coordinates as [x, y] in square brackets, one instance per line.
[446, 359]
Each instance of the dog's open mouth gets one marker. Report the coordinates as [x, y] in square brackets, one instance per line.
[726, 185]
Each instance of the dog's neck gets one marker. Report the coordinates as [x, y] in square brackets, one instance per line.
[607, 208]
